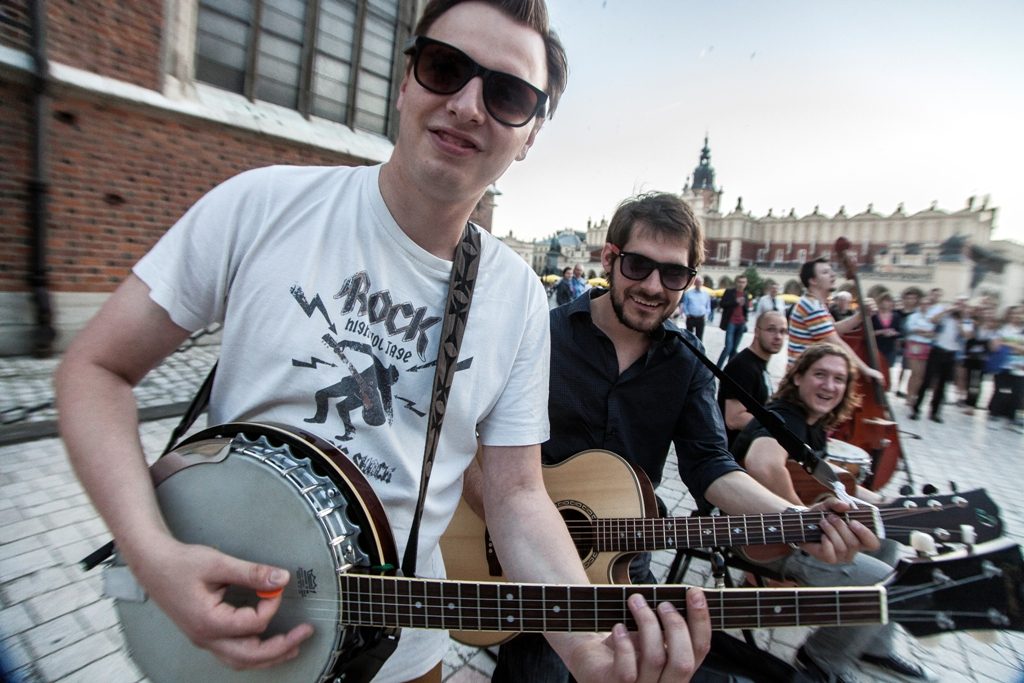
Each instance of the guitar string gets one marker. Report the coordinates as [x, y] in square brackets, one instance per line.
[436, 611]
[792, 523]
[370, 612]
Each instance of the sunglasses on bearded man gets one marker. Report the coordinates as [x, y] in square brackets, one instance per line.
[444, 70]
[674, 276]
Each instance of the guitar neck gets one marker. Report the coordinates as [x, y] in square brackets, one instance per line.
[644, 534]
[467, 606]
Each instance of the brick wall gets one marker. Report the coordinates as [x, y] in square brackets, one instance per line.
[116, 38]
[15, 172]
[119, 177]
[15, 24]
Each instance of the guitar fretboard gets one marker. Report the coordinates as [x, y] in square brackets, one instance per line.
[469, 606]
[640, 534]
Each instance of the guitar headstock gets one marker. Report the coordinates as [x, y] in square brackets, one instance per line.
[941, 516]
[981, 590]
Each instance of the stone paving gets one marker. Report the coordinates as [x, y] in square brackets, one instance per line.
[55, 626]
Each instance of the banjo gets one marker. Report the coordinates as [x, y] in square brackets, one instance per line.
[278, 495]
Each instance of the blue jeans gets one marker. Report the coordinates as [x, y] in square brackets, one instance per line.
[841, 647]
[733, 335]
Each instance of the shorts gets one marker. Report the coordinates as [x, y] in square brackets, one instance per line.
[913, 350]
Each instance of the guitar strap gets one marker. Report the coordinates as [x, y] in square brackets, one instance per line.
[813, 462]
[456, 313]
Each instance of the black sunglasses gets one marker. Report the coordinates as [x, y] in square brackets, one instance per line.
[444, 70]
[673, 276]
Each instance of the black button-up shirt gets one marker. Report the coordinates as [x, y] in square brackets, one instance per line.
[665, 397]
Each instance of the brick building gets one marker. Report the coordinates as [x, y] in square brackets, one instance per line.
[116, 116]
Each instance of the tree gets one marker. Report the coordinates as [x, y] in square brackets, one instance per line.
[755, 284]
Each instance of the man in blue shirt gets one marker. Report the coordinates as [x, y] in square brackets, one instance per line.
[578, 282]
[696, 309]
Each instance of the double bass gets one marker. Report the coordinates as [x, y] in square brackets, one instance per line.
[872, 426]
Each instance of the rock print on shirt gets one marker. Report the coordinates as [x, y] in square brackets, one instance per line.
[363, 371]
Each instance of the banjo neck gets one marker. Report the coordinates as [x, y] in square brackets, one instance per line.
[390, 602]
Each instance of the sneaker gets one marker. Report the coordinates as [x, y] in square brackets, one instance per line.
[818, 673]
[901, 666]
[935, 417]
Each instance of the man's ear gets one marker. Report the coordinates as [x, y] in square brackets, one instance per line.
[537, 123]
[607, 257]
[401, 90]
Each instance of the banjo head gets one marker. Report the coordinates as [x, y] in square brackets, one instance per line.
[274, 496]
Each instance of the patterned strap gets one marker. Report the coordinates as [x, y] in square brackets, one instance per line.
[456, 313]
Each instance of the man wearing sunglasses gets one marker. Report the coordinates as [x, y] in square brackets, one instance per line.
[622, 380]
[299, 262]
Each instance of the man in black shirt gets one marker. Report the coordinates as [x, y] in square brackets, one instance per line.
[815, 395]
[749, 368]
[622, 380]
[563, 290]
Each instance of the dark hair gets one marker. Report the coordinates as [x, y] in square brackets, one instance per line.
[789, 391]
[532, 13]
[807, 270]
[912, 291]
[662, 213]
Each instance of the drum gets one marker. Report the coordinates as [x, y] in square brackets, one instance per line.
[853, 459]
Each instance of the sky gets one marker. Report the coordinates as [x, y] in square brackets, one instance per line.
[805, 103]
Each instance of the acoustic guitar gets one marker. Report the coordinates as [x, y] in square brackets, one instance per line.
[272, 494]
[611, 512]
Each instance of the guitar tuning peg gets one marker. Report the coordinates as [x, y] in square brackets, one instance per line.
[922, 543]
[929, 490]
[968, 534]
[942, 534]
[906, 490]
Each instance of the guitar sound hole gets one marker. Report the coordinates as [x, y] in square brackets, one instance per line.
[581, 529]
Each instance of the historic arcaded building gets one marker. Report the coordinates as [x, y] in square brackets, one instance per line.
[934, 247]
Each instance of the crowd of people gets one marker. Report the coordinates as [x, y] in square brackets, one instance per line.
[942, 351]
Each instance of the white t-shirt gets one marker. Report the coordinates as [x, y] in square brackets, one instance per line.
[320, 291]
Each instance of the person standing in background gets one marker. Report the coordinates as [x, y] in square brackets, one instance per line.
[951, 327]
[563, 290]
[886, 324]
[909, 300]
[734, 304]
[696, 308]
[578, 282]
[1008, 398]
[918, 343]
[811, 322]
[770, 301]
[976, 352]
[840, 308]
